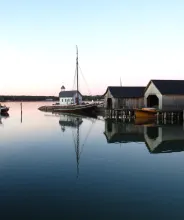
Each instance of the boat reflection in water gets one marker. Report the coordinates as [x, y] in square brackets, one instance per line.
[158, 138]
[3, 117]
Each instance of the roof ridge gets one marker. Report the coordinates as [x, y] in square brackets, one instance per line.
[167, 79]
[126, 86]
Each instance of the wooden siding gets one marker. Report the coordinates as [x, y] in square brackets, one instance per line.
[128, 103]
[106, 97]
[173, 102]
[152, 90]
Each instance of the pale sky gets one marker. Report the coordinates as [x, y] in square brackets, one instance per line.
[136, 40]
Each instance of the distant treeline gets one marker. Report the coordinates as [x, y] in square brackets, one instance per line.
[5, 98]
[23, 98]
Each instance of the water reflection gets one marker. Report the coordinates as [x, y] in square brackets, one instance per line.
[118, 132]
[69, 121]
[164, 139]
[38, 168]
[3, 117]
[73, 122]
[158, 138]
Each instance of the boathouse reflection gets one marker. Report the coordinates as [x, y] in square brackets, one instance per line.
[158, 138]
[164, 139]
[118, 132]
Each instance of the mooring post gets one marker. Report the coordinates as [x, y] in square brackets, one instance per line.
[178, 116]
[116, 114]
[165, 115]
[21, 112]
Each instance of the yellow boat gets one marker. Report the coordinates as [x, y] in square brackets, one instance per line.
[145, 113]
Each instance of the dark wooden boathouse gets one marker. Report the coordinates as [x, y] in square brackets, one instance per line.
[121, 97]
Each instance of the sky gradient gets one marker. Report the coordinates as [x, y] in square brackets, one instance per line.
[136, 40]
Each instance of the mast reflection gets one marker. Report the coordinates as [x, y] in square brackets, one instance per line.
[73, 122]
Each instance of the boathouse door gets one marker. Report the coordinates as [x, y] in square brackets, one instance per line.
[109, 103]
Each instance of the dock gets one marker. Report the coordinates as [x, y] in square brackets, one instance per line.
[170, 115]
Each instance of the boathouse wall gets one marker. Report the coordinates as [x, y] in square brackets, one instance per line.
[150, 91]
[172, 102]
[111, 102]
[129, 103]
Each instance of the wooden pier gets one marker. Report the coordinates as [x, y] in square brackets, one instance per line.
[170, 115]
[119, 113]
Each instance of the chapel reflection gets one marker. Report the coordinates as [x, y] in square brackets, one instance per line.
[69, 121]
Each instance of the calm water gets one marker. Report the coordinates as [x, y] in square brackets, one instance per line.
[63, 167]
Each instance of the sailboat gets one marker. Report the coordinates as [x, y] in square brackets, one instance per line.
[86, 109]
[4, 109]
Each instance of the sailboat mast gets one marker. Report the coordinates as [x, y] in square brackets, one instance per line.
[77, 66]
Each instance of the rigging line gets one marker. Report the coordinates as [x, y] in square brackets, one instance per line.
[86, 138]
[85, 81]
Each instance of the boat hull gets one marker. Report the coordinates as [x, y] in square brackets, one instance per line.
[141, 113]
[4, 110]
[83, 109]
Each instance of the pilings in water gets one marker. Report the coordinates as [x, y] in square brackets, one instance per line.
[119, 113]
[160, 115]
[172, 116]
